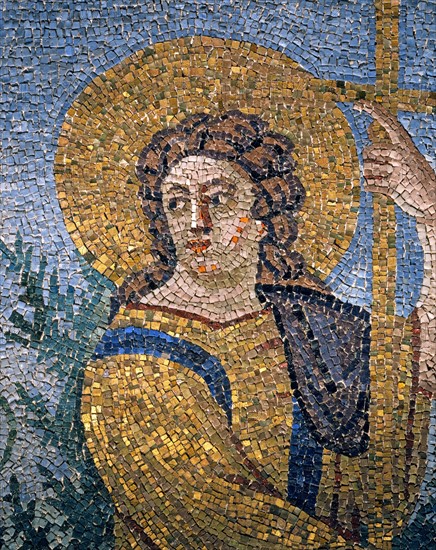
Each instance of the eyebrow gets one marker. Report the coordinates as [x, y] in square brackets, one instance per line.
[209, 184]
[218, 182]
[176, 187]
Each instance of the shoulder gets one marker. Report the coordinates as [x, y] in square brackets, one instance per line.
[285, 296]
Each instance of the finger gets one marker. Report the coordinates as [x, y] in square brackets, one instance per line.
[378, 172]
[382, 154]
[395, 129]
[373, 186]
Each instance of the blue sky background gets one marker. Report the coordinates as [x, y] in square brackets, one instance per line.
[50, 51]
[417, 44]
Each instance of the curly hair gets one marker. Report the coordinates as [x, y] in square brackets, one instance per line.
[266, 158]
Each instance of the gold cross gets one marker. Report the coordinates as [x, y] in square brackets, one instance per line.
[385, 90]
[386, 481]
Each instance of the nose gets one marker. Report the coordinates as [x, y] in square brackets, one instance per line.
[201, 222]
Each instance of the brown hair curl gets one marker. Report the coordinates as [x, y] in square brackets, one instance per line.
[266, 158]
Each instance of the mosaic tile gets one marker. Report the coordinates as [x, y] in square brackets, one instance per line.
[218, 276]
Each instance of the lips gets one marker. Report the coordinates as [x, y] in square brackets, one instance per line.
[198, 245]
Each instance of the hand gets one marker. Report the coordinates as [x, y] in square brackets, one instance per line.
[397, 169]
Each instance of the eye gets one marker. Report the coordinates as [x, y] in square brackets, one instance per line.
[218, 199]
[177, 203]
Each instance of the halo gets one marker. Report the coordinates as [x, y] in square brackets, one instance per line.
[113, 119]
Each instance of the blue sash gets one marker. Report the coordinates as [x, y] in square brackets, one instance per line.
[133, 340]
[305, 460]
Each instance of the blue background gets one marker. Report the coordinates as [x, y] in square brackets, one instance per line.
[50, 50]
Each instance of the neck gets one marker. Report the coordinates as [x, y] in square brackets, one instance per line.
[217, 303]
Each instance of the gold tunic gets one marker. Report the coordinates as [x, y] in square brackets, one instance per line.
[179, 477]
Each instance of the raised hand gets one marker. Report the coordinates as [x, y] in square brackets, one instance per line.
[397, 169]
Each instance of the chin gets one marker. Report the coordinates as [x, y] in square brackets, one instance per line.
[211, 268]
[205, 268]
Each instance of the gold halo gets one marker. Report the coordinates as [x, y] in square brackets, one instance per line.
[113, 119]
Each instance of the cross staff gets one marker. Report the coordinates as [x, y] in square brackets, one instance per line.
[389, 363]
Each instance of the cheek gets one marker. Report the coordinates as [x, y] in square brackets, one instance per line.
[233, 230]
[178, 224]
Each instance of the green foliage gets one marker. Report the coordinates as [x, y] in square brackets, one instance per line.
[64, 347]
[12, 431]
[76, 514]
[24, 518]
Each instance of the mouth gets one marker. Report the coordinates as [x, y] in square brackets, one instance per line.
[198, 245]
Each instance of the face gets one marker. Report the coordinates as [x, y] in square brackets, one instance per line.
[207, 203]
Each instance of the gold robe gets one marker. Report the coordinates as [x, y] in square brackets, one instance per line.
[179, 476]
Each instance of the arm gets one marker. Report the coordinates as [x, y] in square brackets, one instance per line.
[397, 169]
[173, 466]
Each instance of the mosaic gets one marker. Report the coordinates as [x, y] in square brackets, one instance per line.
[218, 276]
